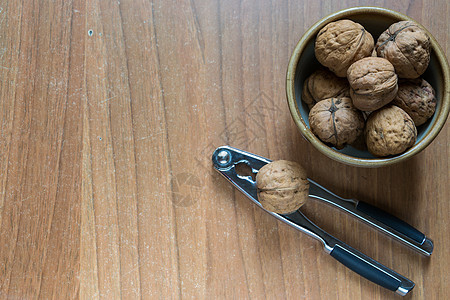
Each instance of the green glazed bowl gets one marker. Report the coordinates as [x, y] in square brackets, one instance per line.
[303, 62]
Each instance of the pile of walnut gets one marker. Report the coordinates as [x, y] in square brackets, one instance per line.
[371, 89]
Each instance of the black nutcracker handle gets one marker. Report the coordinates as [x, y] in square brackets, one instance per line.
[371, 269]
[381, 220]
[391, 221]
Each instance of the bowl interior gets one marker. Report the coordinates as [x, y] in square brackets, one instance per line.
[375, 23]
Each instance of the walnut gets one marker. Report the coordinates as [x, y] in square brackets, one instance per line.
[417, 98]
[407, 47]
[373, 83]
[282, 186]
[389, 131]
[336, 121]
[341, 43]
[323, 84]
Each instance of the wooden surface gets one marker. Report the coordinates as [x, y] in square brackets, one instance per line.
[110, 111]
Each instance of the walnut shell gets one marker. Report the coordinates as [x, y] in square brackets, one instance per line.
[389, 131]
[282, 186]
[417, 98]
[323, 84]
[373, 83]
[336, 121]
[407, 46]
[374, 53]
[341, 43]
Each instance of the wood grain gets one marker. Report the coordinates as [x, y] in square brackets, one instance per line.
[110, 111]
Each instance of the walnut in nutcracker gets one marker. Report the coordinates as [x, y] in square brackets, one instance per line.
[389, 131]
[282, 186]
[323, 84]
[336, 121]
[407, 46]
[373, 83]
[341, 43]
[417, 98]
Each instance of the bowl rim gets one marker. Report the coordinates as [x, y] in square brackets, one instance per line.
[344, 158]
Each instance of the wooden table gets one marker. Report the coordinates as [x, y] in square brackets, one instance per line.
[110, 111]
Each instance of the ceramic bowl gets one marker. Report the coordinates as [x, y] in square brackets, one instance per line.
[303, 63]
